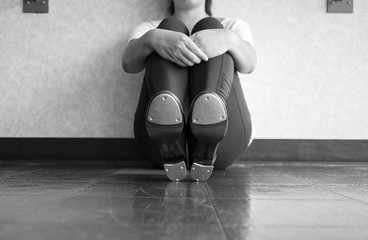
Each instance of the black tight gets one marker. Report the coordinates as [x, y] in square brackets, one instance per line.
[217, 75]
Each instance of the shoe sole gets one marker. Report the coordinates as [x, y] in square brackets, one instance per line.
[208, 124]
[164, 124]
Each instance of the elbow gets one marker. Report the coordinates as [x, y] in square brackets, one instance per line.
[251, 67]
[252, 62]
[130, 69]
[125, 64]
[245, 61]
[247, 68]
[127, 67]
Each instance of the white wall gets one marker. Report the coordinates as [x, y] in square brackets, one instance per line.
[311, 79]
[61, 76]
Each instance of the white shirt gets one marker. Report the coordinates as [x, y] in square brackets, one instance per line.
[236, 25]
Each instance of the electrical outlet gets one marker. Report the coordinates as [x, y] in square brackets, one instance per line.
[35, 6]
[340, 6]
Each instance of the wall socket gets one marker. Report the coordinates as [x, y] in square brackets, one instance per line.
[340, 6]
[35, 6]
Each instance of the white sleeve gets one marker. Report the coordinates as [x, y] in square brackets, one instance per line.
[241, 27]
[141, 29]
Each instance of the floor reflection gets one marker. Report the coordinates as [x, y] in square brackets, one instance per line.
[178, 203]
[247, 201]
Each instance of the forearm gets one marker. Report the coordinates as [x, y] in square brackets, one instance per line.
[244, 56]
[136, 53]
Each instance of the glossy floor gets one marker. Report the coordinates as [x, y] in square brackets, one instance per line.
[250, 200]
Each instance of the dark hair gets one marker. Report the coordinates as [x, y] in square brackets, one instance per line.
[207, 7]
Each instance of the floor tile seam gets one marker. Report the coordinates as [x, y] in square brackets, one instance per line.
[218, 219]
[18, 174]
[139, 197]
[340, 184]
[89, 183]
[59, 199]
[287, 199]
[353, 175]
[250, 173]
[307, 163]
[60, 170]
[32, 195]
[261, 184]
[353, 190]
[57, 192]
[4, 225]
[350, 198]
[257, 184]
[132, 182]
[49, 205]
[137, 170]
[102, 196]
[50, 180]
[311, 225]
[42, 184]
[328, 190]
[284, 199]
[188, 198]
[22, 217]
[307, 227]
[79, 193]
[327, 175]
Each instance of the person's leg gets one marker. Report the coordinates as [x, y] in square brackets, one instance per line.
[218, 115]
[216, 74]
[162, 74]
[159, 118]
[239, 131]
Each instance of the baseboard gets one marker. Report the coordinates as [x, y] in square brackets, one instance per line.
[69, 149]
[121, 149]
[307, 150]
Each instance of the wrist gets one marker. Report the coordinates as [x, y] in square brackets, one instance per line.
[149, 40]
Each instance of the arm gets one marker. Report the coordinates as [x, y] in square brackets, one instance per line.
[214, 42]
[173, 46]
[245, 58]
[136, 53]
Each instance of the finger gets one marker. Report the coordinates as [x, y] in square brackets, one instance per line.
[187, 61]
[190, 56]
[181, 60]
[196, 50]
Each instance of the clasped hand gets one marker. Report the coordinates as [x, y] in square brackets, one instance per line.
[187, 51]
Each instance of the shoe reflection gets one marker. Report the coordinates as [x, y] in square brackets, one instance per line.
[176, 203]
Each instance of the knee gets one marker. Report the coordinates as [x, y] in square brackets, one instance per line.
[207, 23]
[174, 25]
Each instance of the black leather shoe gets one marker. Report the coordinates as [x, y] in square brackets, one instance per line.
[208, 123]
[165, 123]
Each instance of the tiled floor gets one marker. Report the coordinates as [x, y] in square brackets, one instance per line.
[250, 200]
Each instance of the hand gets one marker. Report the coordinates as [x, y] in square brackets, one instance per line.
[213, 42]
[176, 47]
